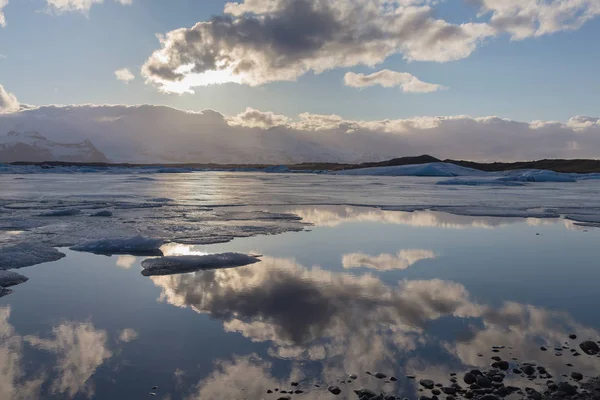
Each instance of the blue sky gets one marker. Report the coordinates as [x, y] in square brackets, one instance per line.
[70, 58]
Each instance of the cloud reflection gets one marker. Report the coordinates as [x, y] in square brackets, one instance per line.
[351, 323]
[387, 262]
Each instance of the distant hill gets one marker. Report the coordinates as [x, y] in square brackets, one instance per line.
[558, 165]
[34, 147]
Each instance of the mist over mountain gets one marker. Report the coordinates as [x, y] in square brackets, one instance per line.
[158, 134]
[32, 146]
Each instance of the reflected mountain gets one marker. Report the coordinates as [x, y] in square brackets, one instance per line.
[79, 349]
[350, 324]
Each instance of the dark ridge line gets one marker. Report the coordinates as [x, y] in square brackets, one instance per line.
[557, 165]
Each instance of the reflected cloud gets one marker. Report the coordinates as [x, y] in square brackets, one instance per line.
[387, 262]
[128, 335]
[125, 261]
[349, 324]
[332, 216]
[13, 383]
[80, 349]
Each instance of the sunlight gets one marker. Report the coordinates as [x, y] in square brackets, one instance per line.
[191, 80]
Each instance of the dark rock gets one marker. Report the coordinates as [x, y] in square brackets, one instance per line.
[427, 383]
[573, 336]
[284, 398]
[269, 391]
[424, 398]
[334, 390]
[449, 390]
[484, 382]
[294, 383]
[410, 376]
[589, 347]
[436, 391]
[380, 375]
[365, 393]
[497, 378]
[543, 348]
[489, 397]
[503, 365]
[567, 388]
[353, 376]
[528, 370]
[298, 391]
[393, 379]
[496, 358]
[576, 376]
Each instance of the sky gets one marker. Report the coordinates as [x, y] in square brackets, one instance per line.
[360, 60]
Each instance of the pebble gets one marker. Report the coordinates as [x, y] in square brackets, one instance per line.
[484, 382]
[427, 383]
[573, 336]
[334, 390]
[380, 375]
[589, 347]
[528, 369]
[294, 383]
[469, 378]
[576, 376]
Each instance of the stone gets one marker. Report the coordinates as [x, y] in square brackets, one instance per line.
[589, 347]
[334, 390]
[427, 383]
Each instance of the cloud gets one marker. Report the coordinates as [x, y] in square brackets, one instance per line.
[3, 3]
[81, 349]
[8, 101]
[136, 134]
[252, 118]
[125, 261]
[261, 41]
[387, 262]
[128, 335]
[532, 18]
[124, 75]
[82, 6]
[386, 78]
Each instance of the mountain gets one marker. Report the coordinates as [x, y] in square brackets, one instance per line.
[34, 147]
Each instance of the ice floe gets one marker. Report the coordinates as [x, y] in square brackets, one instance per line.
[479, 182]
[26, 254]
[122, 245]
[189, 263]
[61, 213]
[430, 169]
[9, 278]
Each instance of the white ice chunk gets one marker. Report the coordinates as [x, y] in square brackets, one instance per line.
[62, 213]
[430, 169]
[182, 264]
[136, 245]
[9, 278]
[27, 254]
[536, 175]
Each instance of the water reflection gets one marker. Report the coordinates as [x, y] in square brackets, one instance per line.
[332, 216]
[349, 324]
[387, 262]
[79, 349]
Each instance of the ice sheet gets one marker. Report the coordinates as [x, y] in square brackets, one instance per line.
[430, 169]
[189, 263]
[26, 254]
[122, 245]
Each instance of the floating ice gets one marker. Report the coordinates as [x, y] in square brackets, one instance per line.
[182, 264]
[536, 175]
[9, 278]
[27, 254]
[430, 169]
[61, 213]
[480, 182]
[136, 245]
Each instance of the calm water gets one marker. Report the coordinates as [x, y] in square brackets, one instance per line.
[401, 293]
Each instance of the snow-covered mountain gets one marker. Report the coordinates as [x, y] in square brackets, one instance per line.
[32, 146]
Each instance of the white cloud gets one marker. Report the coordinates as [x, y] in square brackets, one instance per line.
[532, 18]
[386, 78]
[252, 118]
[126, 261]
[8, 101]
[387, 262]
[259, 41]
[82, 6]
[3, 3]
[128, 335]
[124, 75]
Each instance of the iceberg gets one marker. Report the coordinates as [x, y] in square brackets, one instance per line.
[536, 175]
[9, 278]
[27, 254]
[182, 264]
[136, 245]
[429, 169]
